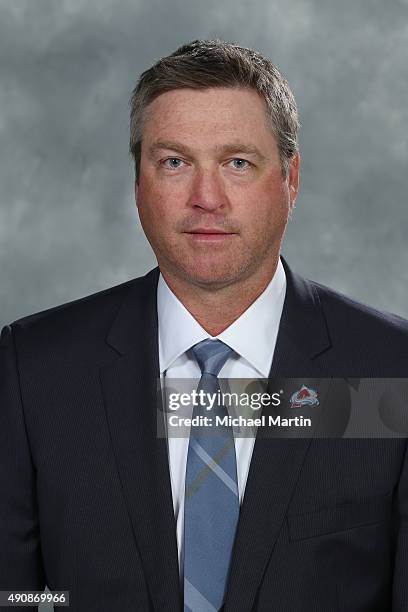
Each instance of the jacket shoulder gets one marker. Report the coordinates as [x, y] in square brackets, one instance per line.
[81, 318]
[358, 322]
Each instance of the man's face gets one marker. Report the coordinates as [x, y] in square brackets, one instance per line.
[212, 199]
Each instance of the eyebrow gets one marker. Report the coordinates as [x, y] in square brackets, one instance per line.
[236, 147]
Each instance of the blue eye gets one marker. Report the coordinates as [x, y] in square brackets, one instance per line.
[172, 165]
[241, 163]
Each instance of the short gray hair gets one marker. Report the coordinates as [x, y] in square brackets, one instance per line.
[203, 64]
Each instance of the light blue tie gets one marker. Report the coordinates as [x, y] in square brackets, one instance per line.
[211, 506]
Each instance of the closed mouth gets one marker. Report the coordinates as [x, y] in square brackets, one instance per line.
[210, 232]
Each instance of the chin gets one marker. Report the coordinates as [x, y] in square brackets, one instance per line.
[211, 276]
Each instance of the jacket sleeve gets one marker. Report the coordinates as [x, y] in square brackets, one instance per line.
[21, 566]
[400, 580]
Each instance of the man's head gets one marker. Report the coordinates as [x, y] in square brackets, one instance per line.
[214, 139]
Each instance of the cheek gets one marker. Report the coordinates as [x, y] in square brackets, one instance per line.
[157, 199]
[158, 217]
[264, 210]
[150, 203]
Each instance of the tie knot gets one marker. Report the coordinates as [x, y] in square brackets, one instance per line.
[211, 355]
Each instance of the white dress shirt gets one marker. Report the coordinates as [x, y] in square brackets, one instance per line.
[252, 336]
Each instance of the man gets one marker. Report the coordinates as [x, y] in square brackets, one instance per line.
[93, 501]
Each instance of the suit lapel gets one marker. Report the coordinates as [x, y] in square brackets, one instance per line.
[276, 462]
[129, 386]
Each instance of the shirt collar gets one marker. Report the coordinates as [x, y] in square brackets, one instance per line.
[252, 335]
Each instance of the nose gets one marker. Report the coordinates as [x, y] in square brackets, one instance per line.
[208, 190]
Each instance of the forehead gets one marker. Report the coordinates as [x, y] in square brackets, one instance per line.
[208, 116]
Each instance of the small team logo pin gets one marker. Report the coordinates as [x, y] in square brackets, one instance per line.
[304, 397]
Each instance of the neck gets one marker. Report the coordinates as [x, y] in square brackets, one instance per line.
[216, 309]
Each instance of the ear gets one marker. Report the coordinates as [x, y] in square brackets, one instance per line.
[136, 190]
[293, 178]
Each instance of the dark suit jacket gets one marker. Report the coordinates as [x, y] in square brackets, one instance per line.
[85, 498]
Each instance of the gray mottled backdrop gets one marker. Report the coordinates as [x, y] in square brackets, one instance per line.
[68, 224]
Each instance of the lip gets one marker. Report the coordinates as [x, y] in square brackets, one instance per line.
[203, 230]
[207, 235]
